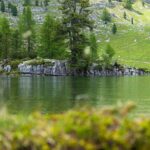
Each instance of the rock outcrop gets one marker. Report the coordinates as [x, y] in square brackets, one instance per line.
[61, 68]
[56, 68]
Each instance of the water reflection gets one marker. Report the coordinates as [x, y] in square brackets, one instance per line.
[57, 94]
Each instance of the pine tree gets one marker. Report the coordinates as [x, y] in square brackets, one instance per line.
[51, 40]
[5, 38]
[108, 55]
[9, 5]
[26, 27]
[93, 46]
[46, 2]
[106, 17]
[143, 3]
[14, 10]
[75, 22]
[124, 15]
[114, 28]
[132, 20]
[16, 44]
[128, 4]
[36, 2]
[2, 6]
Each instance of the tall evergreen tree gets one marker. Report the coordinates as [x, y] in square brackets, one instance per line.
[14, 10]
[51, 40]
[5, 38]
[26, 27]
[9, 5]
[36, 2]
[93, 46]
[108, 55]
[76, 21]
[106, 17]
[2, 6]
[16, 44]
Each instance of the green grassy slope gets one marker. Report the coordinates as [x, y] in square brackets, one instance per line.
[132, 42]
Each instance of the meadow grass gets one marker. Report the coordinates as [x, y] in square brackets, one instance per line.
[132, 42]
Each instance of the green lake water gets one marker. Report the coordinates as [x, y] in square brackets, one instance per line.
[57, 94]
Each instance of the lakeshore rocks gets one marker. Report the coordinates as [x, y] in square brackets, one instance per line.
[55, 68]
[60, 68]
[7, 68]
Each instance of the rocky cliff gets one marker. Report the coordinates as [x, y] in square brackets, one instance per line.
[61, 68]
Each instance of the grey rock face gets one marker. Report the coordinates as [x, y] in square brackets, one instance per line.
[7, 68]
[60, 68]
[147, 1]
[57, 68]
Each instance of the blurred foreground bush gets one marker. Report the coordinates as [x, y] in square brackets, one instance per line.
[86, 129]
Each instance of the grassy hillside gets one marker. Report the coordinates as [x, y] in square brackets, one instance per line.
[132, 42]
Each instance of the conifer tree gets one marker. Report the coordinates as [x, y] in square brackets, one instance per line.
[9, 5]
[93, 46]
[46, 2]
[106, 17]
[5, 38]
[26, 27]
[76, 22]
[51, 40]
[14, 10]
[128, 4]
[2, 6]
[124, 15]
[36, 2]
[16, 44]
[114, 28]
[27, 2]
[132, 20]
[108, 55]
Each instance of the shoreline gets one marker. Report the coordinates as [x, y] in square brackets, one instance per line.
[61, 68]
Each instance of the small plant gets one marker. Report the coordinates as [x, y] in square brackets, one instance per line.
[14, 64]
[108, 55]
[124, 15]
[143, 3]
[128, 4]
[109, 1]
[106, 17]
[93, 47]
[114, 29]
[132, 20]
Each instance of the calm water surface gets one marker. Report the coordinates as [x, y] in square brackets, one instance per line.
[58, 94]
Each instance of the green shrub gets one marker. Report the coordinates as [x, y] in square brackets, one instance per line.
[107, 56]
[39, 61]
[106, 16]
[84, 129]
[114, 29]
[14, 64]
[128, 4]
